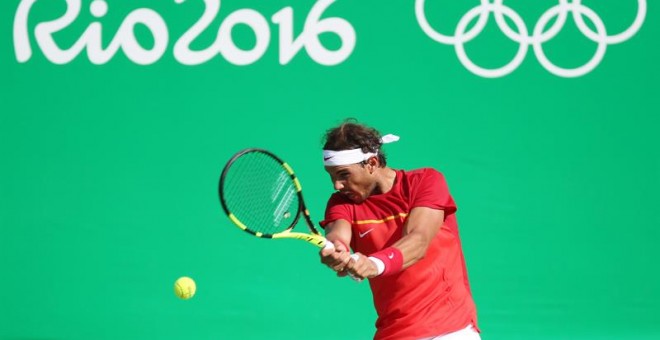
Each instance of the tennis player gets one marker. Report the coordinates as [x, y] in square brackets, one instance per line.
[402, 225]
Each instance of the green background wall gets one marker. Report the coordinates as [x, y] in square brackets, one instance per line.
[108, 173]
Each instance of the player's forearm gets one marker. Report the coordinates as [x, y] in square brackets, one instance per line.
[402, 254]
[339, 231]
[412, 247]
[418, 232]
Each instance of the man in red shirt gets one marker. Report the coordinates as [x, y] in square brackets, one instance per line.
[402, 227]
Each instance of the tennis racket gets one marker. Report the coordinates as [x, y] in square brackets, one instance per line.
[261, 195]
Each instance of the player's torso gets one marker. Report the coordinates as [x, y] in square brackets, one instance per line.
[377, 223]
[429, 295]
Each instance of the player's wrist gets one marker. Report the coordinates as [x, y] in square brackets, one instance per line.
[343, 245]
[380, 266]
[387, 261]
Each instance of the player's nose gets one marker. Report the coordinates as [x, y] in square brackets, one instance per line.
[338, 185]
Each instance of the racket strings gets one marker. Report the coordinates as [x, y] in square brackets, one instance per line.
[260, 193]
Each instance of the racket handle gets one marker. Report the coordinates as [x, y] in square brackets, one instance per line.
[355, 257]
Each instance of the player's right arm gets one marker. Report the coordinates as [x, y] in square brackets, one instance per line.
[339, 233]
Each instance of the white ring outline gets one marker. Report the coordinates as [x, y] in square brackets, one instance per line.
[538, 37]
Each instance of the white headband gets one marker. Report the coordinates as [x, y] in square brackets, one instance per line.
[346, 157]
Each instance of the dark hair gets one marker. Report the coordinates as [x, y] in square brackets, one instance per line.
[351, 135]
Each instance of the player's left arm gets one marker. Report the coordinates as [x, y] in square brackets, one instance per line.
[421, 226]
[431, 204]
[419, 230]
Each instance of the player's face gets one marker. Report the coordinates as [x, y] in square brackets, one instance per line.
[354, 181]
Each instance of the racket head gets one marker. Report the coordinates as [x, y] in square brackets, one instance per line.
[260, 193]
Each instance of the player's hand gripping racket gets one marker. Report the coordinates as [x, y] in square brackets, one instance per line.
[260, 193]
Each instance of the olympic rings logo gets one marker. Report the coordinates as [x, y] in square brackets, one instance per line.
[539, 35]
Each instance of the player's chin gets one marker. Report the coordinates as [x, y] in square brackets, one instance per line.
[359, 200]
[355, 198]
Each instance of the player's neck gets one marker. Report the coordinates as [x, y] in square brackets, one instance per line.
[384, 180]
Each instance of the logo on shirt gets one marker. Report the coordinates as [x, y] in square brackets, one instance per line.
[365, 233]
[390, 256]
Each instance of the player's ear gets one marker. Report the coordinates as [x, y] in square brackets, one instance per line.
[372, 164]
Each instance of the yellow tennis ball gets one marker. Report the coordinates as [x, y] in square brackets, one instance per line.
[184, 287]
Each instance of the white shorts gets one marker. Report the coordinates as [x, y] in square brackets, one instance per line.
[467, 333]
